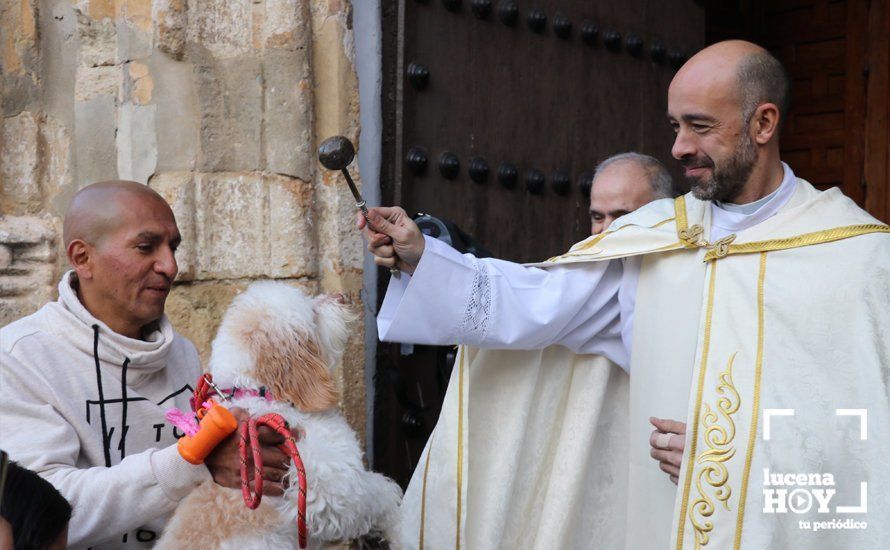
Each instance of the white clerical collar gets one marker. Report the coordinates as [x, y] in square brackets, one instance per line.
[749, 208]
[727, 218]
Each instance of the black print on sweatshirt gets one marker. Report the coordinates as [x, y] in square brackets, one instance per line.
[106, 405]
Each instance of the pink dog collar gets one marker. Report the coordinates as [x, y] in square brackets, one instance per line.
[248, 392]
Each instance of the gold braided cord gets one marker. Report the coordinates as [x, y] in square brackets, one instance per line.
[684, 506]
[755, 404]
[426, 470]
[806, 239]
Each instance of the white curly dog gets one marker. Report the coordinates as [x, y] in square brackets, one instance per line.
[275, 337]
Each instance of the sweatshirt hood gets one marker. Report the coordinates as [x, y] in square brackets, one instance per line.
[70, 320]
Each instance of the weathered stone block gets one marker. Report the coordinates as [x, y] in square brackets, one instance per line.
[231, 100]
[177, 122]
[137, 150]
[5, 256]
[341, 250]
[60, 60]
[19, 169]
[241, 225]
[55, 158]
[292, 237]
[287, 118]
[95, 125]
[139, 84]
[92, 82]
[170, 17]
[134, 30]
[28, 269]
[223, 27]
[19, 54]
[231, 222]
[285, 25]
[98, 40]
[98, 9]
[350, 376]
[26, 230]
[137, 14]
[33, 162]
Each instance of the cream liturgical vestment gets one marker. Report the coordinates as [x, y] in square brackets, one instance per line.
[772, 343]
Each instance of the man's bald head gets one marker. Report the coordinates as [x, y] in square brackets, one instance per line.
[745, 71]
[121, 239]
[97, 209]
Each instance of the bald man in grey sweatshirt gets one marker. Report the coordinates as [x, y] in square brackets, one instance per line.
[87, 379]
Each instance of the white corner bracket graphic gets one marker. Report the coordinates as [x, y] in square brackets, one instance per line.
[863, 420]
[767, 416]
[863, 502]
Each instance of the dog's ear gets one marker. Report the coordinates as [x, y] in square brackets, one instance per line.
[293, 369]
[333, 320]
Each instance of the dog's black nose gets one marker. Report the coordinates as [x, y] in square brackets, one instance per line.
[335, 153]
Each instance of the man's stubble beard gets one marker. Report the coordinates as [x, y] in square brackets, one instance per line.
[727, 180]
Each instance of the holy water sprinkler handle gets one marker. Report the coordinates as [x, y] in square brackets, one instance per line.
[336, 153]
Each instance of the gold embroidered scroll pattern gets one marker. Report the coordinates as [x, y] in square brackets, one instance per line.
[719, 435]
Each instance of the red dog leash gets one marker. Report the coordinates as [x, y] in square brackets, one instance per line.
[289, 447]
[249, 444]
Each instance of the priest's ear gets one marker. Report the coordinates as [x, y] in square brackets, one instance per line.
[765, 123]
[79, 254]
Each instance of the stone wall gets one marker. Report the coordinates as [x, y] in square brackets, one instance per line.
[217, 104]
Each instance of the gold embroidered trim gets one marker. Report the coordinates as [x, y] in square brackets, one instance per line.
[426, 470]
[684, 506]
[460, 444]
[807, 239]
[719, 434]
[680, 213]
[755, 404]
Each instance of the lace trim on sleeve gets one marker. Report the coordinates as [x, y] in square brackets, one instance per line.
[474, 325]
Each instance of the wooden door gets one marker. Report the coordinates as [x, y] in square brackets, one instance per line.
[838, 55]
[496, 114]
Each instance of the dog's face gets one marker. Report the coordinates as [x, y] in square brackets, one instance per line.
[273, 335]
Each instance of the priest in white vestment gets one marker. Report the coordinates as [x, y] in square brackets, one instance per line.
[756, 309]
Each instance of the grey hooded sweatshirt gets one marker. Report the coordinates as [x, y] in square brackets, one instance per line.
[84, 407]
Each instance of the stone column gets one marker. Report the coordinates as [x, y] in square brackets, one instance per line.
[218, 105]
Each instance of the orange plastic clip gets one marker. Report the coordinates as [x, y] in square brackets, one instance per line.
[216, 424]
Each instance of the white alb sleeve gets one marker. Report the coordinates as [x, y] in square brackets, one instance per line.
[455, 298]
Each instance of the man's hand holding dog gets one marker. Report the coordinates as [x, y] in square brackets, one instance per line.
[224, 462]
[394, 239]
